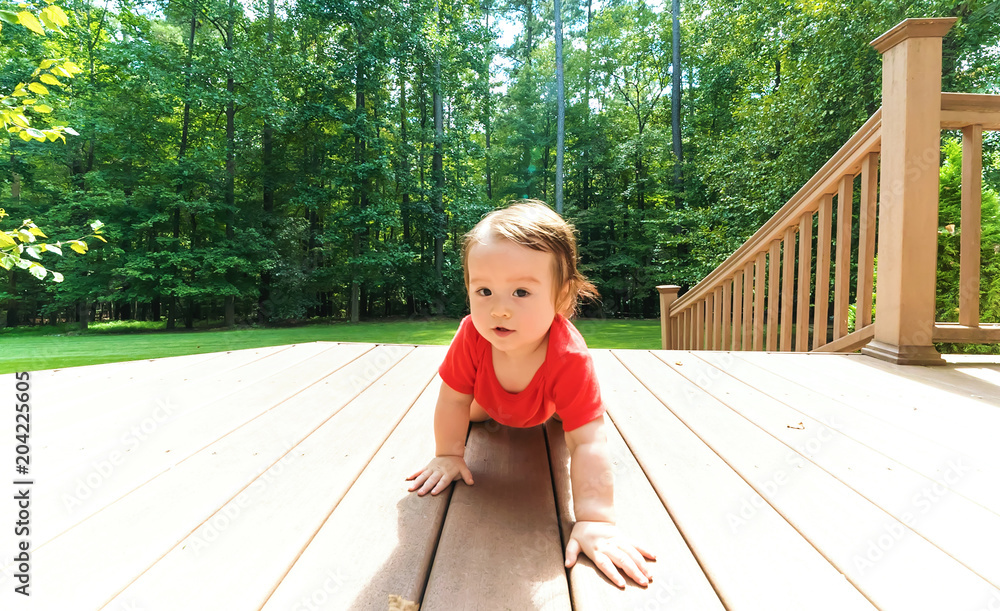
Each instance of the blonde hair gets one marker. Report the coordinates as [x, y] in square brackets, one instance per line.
[533, 224]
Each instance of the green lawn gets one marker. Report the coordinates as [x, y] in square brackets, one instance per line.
[33, 349]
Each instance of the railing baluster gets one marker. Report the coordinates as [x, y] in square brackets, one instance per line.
[866, 240]
[689, 328]
[709, 321]
[727, 321]
[738, 310]
[758, 306]
[972, 207]
[823, 232]
[842, 269]
[787, 289]
[773, 298]
[748, 290]
[717, 334]
[699, 326]
[805, 274]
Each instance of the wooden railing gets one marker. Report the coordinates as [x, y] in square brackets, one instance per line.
[774, 292]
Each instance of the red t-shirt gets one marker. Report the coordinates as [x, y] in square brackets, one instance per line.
[565, 384]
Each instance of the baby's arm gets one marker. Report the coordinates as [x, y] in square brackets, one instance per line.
[451, 426]
[595, 532]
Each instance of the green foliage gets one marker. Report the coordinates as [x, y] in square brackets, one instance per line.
[22, 242]
[949, 241]
[28, 97]
[285, 165]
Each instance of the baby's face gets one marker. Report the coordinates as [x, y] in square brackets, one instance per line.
[512, 296]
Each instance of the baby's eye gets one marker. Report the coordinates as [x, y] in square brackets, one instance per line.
[521, 293]
[484, 292]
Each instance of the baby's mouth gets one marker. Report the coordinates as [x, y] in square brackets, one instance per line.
[502, 329]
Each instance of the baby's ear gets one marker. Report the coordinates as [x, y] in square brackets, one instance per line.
[564, 304]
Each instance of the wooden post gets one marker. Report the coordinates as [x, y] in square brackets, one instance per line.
[911, 144]
[972, 229]
[668, 294]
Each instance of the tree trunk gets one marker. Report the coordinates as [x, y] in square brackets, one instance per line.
[585, 196]
[264, 306]
[230, 195]
[486, 116]
[438, 172]
[360, 190]
[561, 108]
[675, 100]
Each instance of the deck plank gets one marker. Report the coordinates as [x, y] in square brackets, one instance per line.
[280, 516]
[908, 404]
[931, 509]
[82, 479]
[843, 526]
[752, 556]
[678, 581]
[392, 532]
[276, 457]
[73, 387]
[87, 565]
[922, 455]
[500, 546]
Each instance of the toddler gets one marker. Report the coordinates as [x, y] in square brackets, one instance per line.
[517, 359]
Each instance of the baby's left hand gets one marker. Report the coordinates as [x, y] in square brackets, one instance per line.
[610, 550]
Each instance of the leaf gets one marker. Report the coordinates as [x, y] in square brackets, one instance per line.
[46, 64]
[78, 246]
[53, 248]
[33, 252]
[96, 225]
[71, 67]
[48, 79]
[54, 17]
[62, 71]
[25, 236]
[36, 231]
[57, 15]
[101, 238]
[34, 133]
[24, 136]
[38, 88]
[21, 120]
[8, 17]
[6, 241]
[7, 261]
[37, 271]
[31, 22]
[57, 277]
[71, 131]
[43, 108]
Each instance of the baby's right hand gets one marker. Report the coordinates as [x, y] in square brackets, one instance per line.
[439, 474]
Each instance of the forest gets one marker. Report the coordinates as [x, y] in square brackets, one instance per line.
[266, 161]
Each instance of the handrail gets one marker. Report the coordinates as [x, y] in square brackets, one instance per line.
[960, 110]
[768, 282]
[846, 161]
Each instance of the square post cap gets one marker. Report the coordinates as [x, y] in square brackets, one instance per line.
[913, 28]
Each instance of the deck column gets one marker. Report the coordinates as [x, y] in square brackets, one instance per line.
[911, 144]
[668, 294]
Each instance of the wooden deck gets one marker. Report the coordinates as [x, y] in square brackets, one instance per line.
[274, 479]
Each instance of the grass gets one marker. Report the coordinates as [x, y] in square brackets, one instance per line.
[49, 347]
